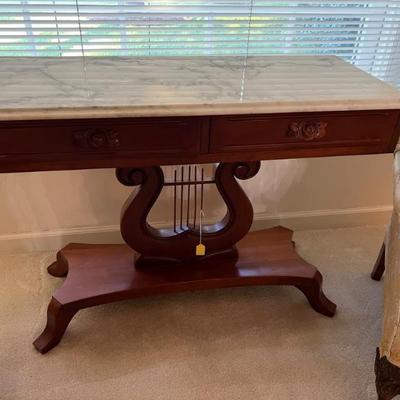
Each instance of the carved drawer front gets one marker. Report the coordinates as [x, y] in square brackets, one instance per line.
[302, 131]
[139, 136]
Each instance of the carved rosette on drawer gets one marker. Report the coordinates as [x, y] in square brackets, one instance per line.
[307, 130]
[97, 138]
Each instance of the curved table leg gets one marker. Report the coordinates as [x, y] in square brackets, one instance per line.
[379, 267]
[58, 317]
[312, 289]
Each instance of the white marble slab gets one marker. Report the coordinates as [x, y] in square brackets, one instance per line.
[47, 88]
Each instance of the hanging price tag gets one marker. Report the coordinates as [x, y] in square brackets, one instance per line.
[200, 250]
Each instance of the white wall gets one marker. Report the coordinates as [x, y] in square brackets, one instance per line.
[48, 209]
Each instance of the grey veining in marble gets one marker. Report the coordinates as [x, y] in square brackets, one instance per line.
[44, 88]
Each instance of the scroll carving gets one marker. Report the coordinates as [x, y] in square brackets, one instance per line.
[97, 138]
[307, 130]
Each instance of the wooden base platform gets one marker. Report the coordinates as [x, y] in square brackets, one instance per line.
[99, 274]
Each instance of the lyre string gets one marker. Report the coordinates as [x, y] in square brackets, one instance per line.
[185, 215]
[188, 197]
[195, 197]
[175, 201]
[202, 190]
[181, 210]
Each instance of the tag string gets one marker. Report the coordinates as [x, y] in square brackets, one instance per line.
[201, 225]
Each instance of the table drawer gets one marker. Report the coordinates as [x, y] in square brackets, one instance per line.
[263, 132]
[140, 136]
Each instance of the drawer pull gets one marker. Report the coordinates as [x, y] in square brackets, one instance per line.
[307, 130]
[96, 138]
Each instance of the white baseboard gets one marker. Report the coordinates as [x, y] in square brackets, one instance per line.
[298, 220]
[325, 219]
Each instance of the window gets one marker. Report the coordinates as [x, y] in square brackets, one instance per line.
[362, 32]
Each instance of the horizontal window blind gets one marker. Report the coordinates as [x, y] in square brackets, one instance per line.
[365, 33]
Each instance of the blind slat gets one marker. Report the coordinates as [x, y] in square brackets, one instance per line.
[365, 33]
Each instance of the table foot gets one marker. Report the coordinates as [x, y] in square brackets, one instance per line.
[100, 274]
[60, 267]
[58, 318]
[379, 267]
[312, 289]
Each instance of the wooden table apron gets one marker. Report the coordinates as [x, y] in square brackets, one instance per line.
[152, 262]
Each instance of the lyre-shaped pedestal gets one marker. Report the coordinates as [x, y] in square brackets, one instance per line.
[163, 261]
[178, 244]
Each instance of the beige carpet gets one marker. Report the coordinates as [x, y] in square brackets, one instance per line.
[244, 343]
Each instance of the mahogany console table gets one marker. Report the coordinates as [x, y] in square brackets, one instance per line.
[136, 115]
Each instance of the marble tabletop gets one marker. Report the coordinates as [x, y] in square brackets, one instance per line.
[49, 88]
